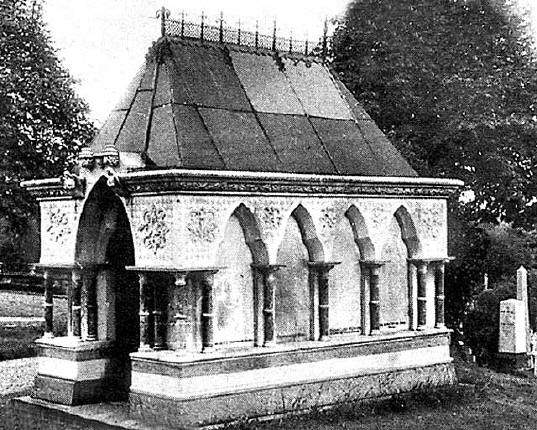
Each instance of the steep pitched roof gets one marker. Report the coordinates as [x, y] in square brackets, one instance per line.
[203, 105]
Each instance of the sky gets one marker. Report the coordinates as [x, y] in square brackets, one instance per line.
[103, 42]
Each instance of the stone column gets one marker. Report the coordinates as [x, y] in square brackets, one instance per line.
[76, 287]
[159, 318]
[439, 294]
[373, 269]
[89, 301]
[322, 270]
[268, 272]
[422, 267]
[179, 284]
[207, 315]
[48, 304]
[145, 329]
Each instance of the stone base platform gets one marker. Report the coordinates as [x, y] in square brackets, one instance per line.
[169, 390]
[202, 389]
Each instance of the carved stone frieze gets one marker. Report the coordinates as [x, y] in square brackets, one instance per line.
[58, 225]
[154, 228]
[431, 219]
[202, 224]
[246, 185]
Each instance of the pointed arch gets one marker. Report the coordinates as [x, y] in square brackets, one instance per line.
[408, 231]
[103, 218]
[252, 234]
[309, 233]
[361, 235]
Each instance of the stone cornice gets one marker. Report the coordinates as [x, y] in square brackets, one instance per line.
[234, 182]
[231, 182]
[68, 186]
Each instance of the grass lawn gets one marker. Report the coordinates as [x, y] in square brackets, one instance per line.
[16, 340]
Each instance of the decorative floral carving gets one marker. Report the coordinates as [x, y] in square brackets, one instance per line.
[59, 226]
[202, 225]
[270, 218]
[154, 228]
[377, 215]
[431, 219]
[328, 218]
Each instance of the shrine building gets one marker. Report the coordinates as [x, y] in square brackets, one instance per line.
[242, 241]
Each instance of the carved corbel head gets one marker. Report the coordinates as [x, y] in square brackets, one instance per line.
[110, 156]
[85, 158]
[74, 184]
[115, 184]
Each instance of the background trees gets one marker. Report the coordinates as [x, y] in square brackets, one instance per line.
[453, 83]
[42, 121]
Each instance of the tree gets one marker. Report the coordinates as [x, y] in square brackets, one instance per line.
[454, 85]
[42, 121]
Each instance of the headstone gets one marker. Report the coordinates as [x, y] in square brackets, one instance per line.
[522, 295]
[513, 339]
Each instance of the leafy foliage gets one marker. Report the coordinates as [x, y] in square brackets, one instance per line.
[454, 85]
[42, 121]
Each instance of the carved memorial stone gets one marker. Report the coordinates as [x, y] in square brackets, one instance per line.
[512, 327]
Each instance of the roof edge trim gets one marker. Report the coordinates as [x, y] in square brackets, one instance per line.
[292, 177]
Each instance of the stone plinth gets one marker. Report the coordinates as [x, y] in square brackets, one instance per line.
[201, 389]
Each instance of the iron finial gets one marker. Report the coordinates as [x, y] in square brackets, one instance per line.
[202, 25]
[256, 34]
[325, 38]
[221, 27]
[163, 14]
[274, 36]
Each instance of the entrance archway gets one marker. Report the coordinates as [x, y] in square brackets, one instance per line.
[105, 246]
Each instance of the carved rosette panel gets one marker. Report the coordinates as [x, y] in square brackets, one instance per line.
[376, 215]
[328, 219]
[58, 225]
[431, 219]
[202, 224]
[154, 228]
[270, 219]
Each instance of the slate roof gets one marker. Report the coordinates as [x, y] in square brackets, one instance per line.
[203, 105]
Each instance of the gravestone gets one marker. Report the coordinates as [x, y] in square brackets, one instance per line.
[513, 339]
[522, 295]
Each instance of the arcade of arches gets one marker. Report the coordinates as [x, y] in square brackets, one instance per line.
[244, 300]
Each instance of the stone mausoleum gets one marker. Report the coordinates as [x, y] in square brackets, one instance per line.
[242, 241]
